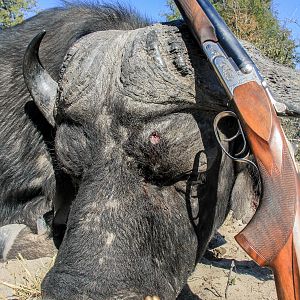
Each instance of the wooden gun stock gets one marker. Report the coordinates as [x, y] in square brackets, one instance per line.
[272, 236]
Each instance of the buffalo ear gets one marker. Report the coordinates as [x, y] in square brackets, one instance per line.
[41, 86]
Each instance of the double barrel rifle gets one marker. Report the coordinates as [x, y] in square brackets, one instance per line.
[272, 237]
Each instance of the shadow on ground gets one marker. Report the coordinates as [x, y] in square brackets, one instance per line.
[187, 294]
[245, 267]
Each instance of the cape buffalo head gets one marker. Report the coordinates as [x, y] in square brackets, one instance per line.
[133, 112]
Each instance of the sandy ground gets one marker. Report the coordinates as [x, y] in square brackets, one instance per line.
[225, 273]
[212, 279]
[28, 274]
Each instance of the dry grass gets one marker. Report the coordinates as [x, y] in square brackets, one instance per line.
[29, 287]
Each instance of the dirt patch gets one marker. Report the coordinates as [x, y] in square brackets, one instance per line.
[20, 279]
[228, 271]
[225, 271]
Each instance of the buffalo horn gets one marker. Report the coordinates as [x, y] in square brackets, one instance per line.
[41, 86]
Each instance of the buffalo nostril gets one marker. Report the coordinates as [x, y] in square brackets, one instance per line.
[152, 298]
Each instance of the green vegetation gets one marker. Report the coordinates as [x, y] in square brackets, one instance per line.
[253, 21]
[173, 13]
[12, 12]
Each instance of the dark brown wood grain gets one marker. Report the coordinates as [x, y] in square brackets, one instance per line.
[286, 272]
[270, 236]
[261, 124]
[203, 29]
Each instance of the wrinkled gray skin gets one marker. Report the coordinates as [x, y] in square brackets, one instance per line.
[130, 231]
[134, 152]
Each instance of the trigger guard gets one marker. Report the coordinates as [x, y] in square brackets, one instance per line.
[217, 119]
